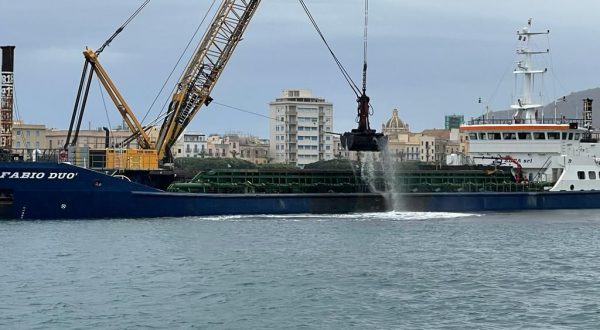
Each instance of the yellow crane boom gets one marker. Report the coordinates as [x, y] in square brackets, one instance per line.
[200, 76]
[119, 101]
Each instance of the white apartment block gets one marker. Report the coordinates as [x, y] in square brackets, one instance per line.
[299, 127]
[190, 144]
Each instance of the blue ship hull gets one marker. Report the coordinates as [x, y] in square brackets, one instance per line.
[497, 201]
[63, 191]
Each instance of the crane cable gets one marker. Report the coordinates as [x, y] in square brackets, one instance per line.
[177, 64]
[365, 48]
[104, 103]
[365, 44]
[344, 72]
[121, 28]
[19, 120]
[107, 43]
[353, 86]
[247, 111]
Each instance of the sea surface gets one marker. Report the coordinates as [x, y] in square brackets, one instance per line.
[397, 270]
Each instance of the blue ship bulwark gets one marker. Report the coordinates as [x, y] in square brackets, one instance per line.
[63, 191]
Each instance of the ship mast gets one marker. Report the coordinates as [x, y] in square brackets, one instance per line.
[526, 109]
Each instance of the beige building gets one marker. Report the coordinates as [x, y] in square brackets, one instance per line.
[254, 150]
[246, 147]
[217, 147]
[29, 136]
[93, 139]
[402, 144]
[433, 145]
[429, 146]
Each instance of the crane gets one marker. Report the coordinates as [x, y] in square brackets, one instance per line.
[203, 71]
[519, 175]
[192, 90]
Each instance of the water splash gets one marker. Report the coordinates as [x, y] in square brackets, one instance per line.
[379, 171]
[392, 179]
[368, 171]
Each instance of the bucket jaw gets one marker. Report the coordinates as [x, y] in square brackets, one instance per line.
[363, 140]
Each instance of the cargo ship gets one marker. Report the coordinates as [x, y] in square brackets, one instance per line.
[522, 163]
[50, 190]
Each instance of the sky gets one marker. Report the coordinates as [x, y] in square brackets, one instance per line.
[427, 58]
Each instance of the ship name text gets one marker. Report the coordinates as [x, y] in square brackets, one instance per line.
[38, 175]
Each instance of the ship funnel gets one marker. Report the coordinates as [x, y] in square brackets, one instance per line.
[6, 97]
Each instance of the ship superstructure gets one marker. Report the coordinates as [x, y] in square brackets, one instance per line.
[541, 147]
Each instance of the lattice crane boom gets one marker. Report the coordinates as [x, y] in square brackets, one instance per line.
[202, 72]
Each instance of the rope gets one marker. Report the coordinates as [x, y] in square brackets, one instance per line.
[259, 114]
[351, 83]
[177, 64]
[366, 38]
[246, 111]
[121, 28]
[555, 80]
[104, 103]
[17, 115]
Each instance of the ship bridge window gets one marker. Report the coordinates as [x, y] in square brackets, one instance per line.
[592, 175]
[565, 136]
[581, 175]
[509, 136]
[482, 136]
[553, 135]
[524, 135]
[539, 135]
[494, 136]
[570, 136]
[472, 136]
[577, 136]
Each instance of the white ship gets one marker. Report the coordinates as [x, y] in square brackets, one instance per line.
[561, 152]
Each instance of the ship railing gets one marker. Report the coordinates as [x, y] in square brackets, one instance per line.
[512, 121]
[30, 155]
[472, 187]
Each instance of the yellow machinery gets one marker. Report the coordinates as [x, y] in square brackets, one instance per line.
[133, 159]
[192, 90]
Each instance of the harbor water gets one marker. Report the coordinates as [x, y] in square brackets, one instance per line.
[395, 270]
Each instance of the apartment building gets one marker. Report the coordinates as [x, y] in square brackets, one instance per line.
[299, 127]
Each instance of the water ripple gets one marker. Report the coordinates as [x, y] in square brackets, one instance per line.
[377, 271]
